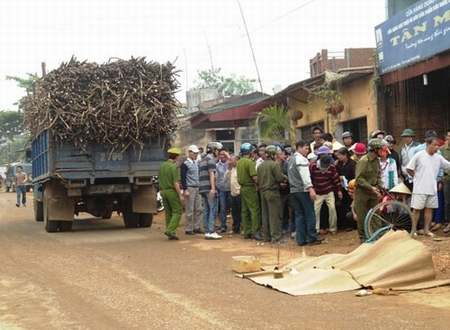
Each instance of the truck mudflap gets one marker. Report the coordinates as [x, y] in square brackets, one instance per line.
[144, 199]
[60, 209]
[57, 205]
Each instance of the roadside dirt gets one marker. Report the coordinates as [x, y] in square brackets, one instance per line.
[104, 276]
[345, 242]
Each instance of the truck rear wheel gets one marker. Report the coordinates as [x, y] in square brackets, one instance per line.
[38, 210]
[145, 219]
[130, 218]
[65, 225]
[107, 215]
[50, 226]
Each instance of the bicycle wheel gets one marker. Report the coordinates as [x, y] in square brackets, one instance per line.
[389, 215]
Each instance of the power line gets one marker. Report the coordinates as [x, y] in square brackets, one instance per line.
[282, 16]
[268, 23]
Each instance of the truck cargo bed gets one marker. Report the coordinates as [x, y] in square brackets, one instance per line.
[64, 160]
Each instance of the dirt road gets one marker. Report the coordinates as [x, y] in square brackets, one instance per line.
[104, 276]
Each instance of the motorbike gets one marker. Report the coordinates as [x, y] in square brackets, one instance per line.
[159, 199]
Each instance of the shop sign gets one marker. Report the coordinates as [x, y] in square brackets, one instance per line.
[420, 31]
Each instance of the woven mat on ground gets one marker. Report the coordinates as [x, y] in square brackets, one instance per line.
[396, 262]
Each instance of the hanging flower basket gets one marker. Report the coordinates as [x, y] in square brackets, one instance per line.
[334, 109]
[296, 115]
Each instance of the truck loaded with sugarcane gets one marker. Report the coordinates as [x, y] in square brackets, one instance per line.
[99, 135]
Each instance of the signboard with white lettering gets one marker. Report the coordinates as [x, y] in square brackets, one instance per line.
[420, 31]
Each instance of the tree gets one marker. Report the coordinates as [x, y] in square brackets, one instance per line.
[274, 124]
[25, 83]
[14, 151]
[227, 86]
[11, 124]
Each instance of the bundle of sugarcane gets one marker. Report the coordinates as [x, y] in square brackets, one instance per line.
[119, 103]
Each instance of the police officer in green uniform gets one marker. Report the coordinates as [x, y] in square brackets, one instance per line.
[169, 181]
[368, 177]
[270, 176]
[248, 178]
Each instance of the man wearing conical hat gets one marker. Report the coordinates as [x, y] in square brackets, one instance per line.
[401, 191]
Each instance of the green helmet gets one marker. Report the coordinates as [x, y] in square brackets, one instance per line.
[375, 144]
[213, 145]
[408, 132]
[271, 150]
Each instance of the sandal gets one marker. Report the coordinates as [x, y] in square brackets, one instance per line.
[436, 227]
[447, 229]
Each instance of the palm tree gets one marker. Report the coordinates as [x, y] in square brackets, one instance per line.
[273, 124]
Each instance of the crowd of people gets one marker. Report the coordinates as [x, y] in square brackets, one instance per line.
[275, 192]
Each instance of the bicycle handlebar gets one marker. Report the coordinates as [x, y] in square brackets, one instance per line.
[384, 191]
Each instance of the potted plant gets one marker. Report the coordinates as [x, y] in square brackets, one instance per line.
[333, 104]
[332, 100]
[331, 96]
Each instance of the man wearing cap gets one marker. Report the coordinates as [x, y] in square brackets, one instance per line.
[358, 150]
[287, 148]
[406, 153]
[378, 134]
[207, 189]
[248, 180]
[391, 141]
[270, 176]
[190, 180]
[347, 139]
[326, 182]
[367, 178]
[169, 181]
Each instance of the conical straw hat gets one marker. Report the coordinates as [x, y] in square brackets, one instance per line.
[401, 188]
[337, 145]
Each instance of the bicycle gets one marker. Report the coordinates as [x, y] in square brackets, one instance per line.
[388, 215]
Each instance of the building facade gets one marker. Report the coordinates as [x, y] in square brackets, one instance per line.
[413, 48]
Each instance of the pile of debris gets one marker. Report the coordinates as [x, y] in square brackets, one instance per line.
[119, 103]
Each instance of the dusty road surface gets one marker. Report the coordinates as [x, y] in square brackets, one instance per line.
[104, 276]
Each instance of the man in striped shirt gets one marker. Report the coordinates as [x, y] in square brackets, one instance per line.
[326, 182]
[207, 189]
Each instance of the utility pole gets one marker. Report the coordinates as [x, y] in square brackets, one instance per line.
[251, 47]
[210, 53]
[186, 69]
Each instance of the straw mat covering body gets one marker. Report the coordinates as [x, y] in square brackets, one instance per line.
[396, 262]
